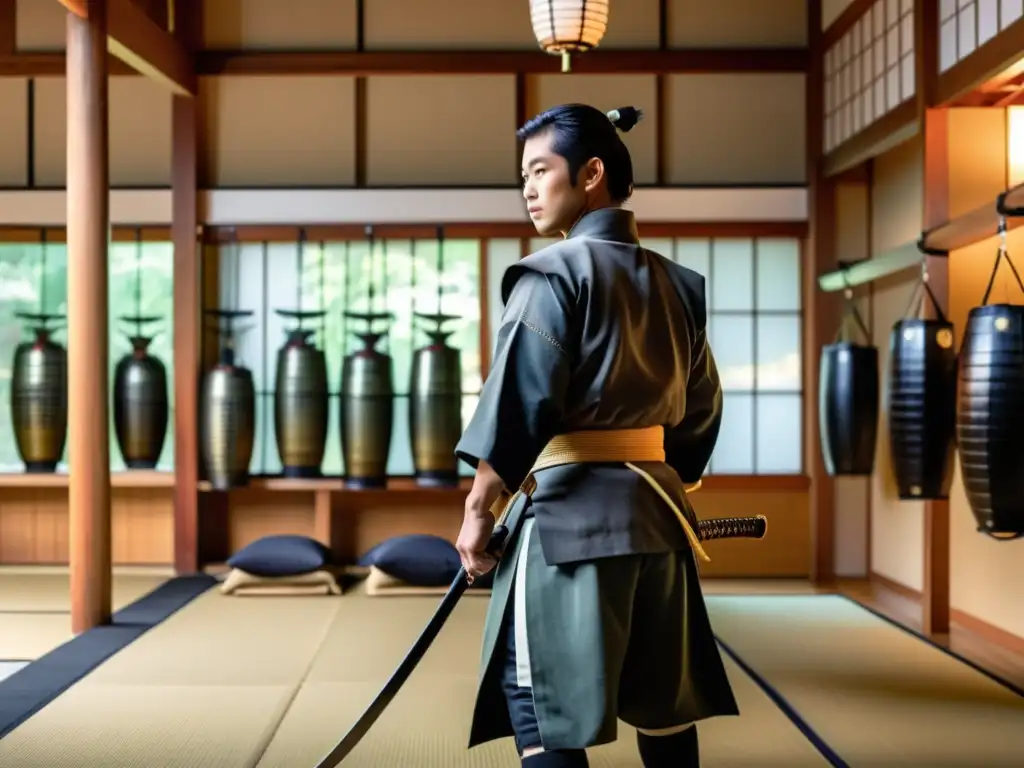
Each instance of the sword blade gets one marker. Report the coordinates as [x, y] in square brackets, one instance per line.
[412, 659]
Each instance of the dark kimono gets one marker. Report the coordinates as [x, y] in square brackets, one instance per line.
[600, 333]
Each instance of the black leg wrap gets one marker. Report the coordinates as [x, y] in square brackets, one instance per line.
[560, 758]
[680, 750]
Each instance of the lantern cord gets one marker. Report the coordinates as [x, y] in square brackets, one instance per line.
[916, 303]
[1001, 253]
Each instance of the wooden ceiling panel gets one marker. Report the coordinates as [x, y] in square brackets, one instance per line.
[278, 131]
[448, 130]
[736, 129]
[737, 23]
[140, 132]
[14, 132]
[272, 24]
[40, 25]
[414, 25]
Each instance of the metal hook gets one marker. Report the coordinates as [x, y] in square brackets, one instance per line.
[924, 270]
[1002, 235]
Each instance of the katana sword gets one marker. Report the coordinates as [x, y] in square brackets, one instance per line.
[707, 530]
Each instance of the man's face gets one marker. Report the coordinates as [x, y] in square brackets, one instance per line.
[553, 203]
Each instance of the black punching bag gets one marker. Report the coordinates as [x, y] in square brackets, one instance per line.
[848, 408]
[922, 407]
[990, 418]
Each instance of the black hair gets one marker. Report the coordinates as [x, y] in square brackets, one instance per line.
[581, 132]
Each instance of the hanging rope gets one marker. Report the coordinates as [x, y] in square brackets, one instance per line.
[42, 271]
[1001, 253]
[323, 316]
[345, 298]
[850, 311]
[916, 303]
[440, 270]
[369, 283]
[300, 263]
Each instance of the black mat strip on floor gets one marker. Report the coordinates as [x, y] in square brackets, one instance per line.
[787, 709]
[30, 689]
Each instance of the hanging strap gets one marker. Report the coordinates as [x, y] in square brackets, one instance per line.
[1001, 253]
[850, 311]
[917, 297]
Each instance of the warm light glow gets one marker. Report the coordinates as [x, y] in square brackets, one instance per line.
[1015, 145]
[569, 25]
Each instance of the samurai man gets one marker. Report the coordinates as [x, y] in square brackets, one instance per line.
[602, 404]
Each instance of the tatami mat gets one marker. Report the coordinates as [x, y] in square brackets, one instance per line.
[219, 640]
[428, 723]
[49, 589]
[35, 606]
[876, 694]
[27, 636]
[274, 682]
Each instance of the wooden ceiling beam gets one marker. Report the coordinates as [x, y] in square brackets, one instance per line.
[277, 63]
[135, 39]
[501, 62]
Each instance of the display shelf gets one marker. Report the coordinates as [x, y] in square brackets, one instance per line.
[407, 485]
[905, 257]
[141, 478]
[977, 225]
[395, 485]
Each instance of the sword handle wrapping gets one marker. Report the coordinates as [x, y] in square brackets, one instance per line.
[732, 528]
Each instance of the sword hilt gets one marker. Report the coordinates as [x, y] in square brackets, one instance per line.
[732, 528]
[496, 544]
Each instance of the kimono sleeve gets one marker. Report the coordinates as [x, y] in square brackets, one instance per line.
[689, 445]
[522, 403]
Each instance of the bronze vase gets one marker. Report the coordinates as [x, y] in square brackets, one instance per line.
[39, 396]
[367, 410]
[301, 401]
[141, 402]
[228, 414]
[435, 407]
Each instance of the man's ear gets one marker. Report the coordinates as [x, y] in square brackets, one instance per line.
[593, 174]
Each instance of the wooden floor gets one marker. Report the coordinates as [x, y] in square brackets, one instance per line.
[995, 658]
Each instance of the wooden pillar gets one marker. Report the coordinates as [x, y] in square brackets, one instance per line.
[933, 127]
[187, 306]
[820, 313]
[88, 222]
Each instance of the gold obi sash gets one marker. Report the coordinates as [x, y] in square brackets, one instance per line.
[611, 446]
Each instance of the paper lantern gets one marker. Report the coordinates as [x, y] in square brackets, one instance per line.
[564, 27]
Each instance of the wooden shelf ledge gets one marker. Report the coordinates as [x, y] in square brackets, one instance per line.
[337, 485]
[977, 225]
[141, 478]
[406, 485]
